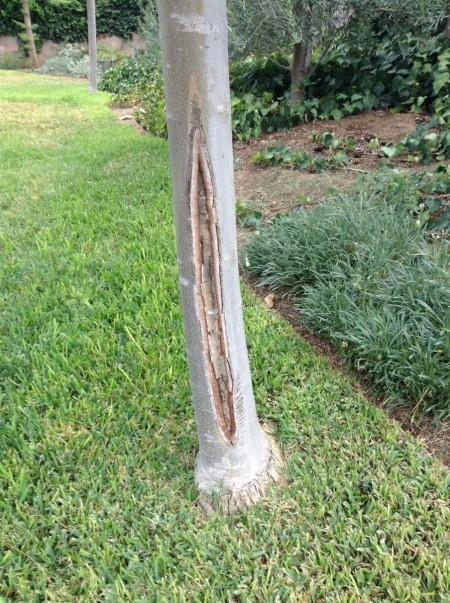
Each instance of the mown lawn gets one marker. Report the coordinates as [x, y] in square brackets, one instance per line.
[97, 439]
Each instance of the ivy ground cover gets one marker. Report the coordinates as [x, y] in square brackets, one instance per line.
[97, 439]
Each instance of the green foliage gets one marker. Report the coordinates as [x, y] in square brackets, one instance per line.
[112, 54]
[425, 195]
[72, 60]
[406, 73]
[138, 81]
[130, 76]
[280, 154]
[96, 421]
[65, 21]
[370, 282]
[119, 17]
[248, 216]
[12, 60]
[266, 27]
[400, 72]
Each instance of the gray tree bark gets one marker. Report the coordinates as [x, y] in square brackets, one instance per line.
[302, 53]
[92, 41]
[29, 33]
[236, 459]
[300, 65]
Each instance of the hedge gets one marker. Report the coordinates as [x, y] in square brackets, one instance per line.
[67, 21]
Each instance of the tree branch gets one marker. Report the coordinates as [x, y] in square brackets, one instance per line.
[285, 67]
[320, 58]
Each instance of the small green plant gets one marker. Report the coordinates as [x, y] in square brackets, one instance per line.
[107, 52]
[328, 141]
[425, 195]
[12, 61]
[280, 154]
[247, 215]
[274, 155]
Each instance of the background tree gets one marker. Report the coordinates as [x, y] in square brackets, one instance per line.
[236, 459]
[66, 20]
[29, 34]
[290, 31]
[92, 40]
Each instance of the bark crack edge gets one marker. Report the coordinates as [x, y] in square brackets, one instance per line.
[207, 256]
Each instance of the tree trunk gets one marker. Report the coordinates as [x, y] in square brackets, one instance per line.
[92, 40]
[302, 52]
[301, 62]
[30, 35]
[236, 459]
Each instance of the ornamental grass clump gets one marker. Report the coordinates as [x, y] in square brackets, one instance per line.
[363, 275]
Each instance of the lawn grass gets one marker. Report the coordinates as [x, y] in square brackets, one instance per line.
[97, 438]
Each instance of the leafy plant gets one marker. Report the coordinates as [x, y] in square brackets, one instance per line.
[107, 52]
[137, 81]
[248, 216]
[280, 154]
[130, 77]
[425, 195]
[329, 141]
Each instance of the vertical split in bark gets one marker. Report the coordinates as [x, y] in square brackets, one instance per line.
[208, 285]
[236, 461]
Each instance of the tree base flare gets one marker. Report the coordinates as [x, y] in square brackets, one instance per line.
[228, 501]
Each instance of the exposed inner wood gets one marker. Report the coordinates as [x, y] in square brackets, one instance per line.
[208, 281]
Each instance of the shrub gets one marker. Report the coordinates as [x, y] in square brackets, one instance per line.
[406, 73]
[403, 72]
[130, 76]
[12, 60]
[138, 81]
[424, 195]
[64, 20]
[72, 60]
[364, 276]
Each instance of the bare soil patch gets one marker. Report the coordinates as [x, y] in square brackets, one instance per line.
[279, 189]
[124, 115]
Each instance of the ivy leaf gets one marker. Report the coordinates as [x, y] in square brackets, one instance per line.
[389, 151]
[336, 114]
